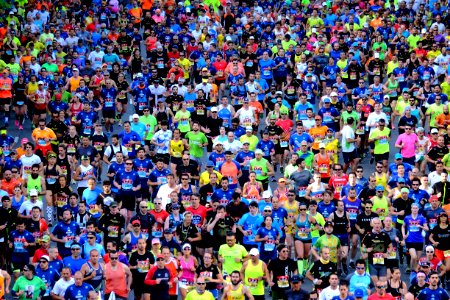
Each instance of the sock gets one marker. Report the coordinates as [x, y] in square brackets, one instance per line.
[300, 265]
[344, 265]
[50, 214]
[305, 264]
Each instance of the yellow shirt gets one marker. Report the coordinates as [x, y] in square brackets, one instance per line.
[186, 65]
[204, 177]
[445, 86]
[252, 140]
[332, 148]
[382, 204]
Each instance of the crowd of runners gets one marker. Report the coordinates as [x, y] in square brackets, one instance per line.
[224, 149]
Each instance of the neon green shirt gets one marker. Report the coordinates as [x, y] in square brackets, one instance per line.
[252, 140]
[331, 242]
[195, 143]
[32, 288]
[434, 110]
[381, 145]
[150, 122]
[229, 254]
[183, 120]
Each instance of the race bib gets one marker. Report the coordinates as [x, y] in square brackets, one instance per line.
[113, 231]
[378, 259]
[283, 281]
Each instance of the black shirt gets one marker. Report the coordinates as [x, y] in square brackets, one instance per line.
[211, 272]
[322, 271]
[237, 211]
[282, 271]
[143, 262]
[379, 242]
[363, 221]
[214, 125]
[437, 153]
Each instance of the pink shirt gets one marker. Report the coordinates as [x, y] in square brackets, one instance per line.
[409, 144]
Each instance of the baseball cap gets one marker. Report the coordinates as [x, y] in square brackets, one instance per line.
[24, 140]
[186, 245]
[159, 256]
[379, 188]
[249, 128]
[210, 164]
[328, 223]
[296, 278]
[327, 100]
[333, 94]
[45, 257]
[434, 130]
[135, 116]
[273, 117]
[40, 82]
[267, 207]
[168, 231]
[136, 222]
[358, 293]
[114, 204]
[254, 252]
[402, 180]
[156, 241]
[58, 96]
[45, 238]
[33, 192]
[259, 151]
[398, 156]
[404, 190]
[282, 179]
[84, 157]
[214, 108]
[322, 145]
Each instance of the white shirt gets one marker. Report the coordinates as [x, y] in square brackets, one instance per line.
[373, 119]
[162, 137]
[234, 146]
[96, 59]
[27, 206]
[434, 177]
[164, 193]
[61, 286]
[27, 163]
[347, 133]
[328, 293]
[115, 149]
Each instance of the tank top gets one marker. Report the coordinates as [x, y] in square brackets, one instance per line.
[317, 192]
[381, 180]
[41, 100]
[282, 196]
[51, 175]
[395, 292]
[34, 183]
[301, 233]
[259, 166]
[340, 224]
[162, 115]
[253, 192]
[85, 171]
[74, 83]
[252, 273]
[185, 196]
[97, 280]
[132, 245]
[116, 280]
[324, 166]
[75, 110]
[2, 285]
[392, 87]
[236, 294]
[247, 117]
[64, 164]
[177, 147]
[187, 276]
[225, 114]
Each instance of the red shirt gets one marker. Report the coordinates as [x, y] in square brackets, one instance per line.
[375, 296]
[220, 67]
[198, 215]
[337, 183]
[163, 215]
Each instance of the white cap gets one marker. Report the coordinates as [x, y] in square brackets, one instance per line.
[429, 248]
[376, 55]
[135, 116]
[333, 94]
[228, 38]
[386, 97]
[266, 195]
[214, 108]
[259, 151]
[46, 257]
[268, 207]
[33, 192]
[40, 82]
[321, 145]
[249, 128]
[434, 130]
[424, 30]
[254, 252]
[139, 75]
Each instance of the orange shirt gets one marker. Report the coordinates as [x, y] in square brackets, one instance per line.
[5, 87]
[9, 186]
[258, 108]
[146, 4]
[317, 134]
[443, 120]
[230, 170]
[20, 151]
[323, 165]
[40, 136]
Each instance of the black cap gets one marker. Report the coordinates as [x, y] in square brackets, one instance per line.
[167, 231]
[328, 223]
[296, 278]
[114, 204]
[228, 153]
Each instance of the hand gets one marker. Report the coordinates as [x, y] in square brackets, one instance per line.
[237, 259]
[319, 282]
[158, 281]
[271, 284]
[20, 293]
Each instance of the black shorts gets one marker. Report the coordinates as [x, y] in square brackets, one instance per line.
[5, 101]
[38, 112]
[381, 157]
[343, 238]
[109, 114]
[123, 101]
[349, 156]
[416, 246]
[392, 263]
[129, 201]
[175, 160]
[279, 149]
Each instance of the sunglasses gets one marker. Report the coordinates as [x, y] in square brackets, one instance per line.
[91, 238]
[302, 209]
[42, 262]
[136, 225]
[114, 258]
[381, 286]
[266, 210]
[160, 259]
[201, 283]
[187, 248]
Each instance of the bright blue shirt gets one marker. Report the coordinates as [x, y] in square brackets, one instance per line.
[74, 292]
